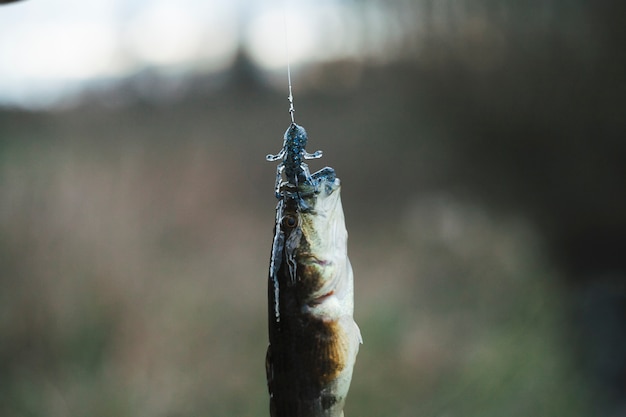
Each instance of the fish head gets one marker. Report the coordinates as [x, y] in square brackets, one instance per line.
[322, 220]
[316, 241]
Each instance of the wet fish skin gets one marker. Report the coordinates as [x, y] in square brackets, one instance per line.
[313, 337]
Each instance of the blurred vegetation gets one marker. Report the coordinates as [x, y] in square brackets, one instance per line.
[135, 229]
[133, 282]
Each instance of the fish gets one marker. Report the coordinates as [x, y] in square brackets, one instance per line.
[313, 338]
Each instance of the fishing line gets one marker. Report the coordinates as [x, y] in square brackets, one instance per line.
[292, 110]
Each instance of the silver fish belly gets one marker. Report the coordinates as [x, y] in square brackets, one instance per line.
[313, 337]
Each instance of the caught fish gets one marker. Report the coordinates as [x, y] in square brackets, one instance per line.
[313, 337]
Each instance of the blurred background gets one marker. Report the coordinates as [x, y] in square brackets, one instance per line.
[481, 146]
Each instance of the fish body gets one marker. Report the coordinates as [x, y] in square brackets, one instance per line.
[313, 337]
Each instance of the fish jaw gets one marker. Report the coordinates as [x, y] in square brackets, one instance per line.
[323, 261]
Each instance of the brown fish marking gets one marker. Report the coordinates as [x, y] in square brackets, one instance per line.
[329, 346]
[311, 276]
[319, 353]
[329, 349]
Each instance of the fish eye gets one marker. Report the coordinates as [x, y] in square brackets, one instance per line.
[290, 221]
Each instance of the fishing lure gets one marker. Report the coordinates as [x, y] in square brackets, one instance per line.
[313, 337]
[292, 154]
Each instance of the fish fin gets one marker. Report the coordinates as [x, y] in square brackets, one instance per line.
[358, 331]
[353, 330]
[269, 369]
[269, 372]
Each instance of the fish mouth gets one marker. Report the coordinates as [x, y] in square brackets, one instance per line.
[320, 181]
[318, 193]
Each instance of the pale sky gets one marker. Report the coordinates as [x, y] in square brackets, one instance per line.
[49, 48]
